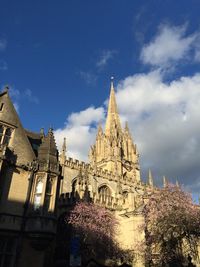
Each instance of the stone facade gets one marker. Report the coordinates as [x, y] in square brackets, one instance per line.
[38, 186]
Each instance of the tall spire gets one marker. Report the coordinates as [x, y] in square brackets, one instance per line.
[112, 120]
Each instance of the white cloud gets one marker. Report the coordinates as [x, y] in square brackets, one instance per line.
[170, 45]
[3, 44]
[3, 65]
[164, 119]
[89, 77]
[80, 131]
[105, 56]
[29, 95]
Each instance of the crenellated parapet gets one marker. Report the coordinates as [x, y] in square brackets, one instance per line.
[91, 170]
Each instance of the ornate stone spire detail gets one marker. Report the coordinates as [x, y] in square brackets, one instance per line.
[47, 152]
[114, 149]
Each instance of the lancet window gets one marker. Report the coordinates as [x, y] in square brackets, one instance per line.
[5, 134]
[38, 194]
[48, 195]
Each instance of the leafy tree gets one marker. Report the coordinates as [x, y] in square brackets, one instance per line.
[97, 228]
[172, 226]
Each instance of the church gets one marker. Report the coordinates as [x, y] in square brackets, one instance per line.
[38, 185]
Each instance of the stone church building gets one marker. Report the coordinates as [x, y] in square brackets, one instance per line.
[38, 185]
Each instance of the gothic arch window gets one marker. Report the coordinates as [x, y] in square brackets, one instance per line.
[48, 195]
[5, 134]
[38, 194]
[104, 194]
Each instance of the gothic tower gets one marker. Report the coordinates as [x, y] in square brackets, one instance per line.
[114, 149]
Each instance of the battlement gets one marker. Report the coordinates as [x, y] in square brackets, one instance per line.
[96, 171]
[70, 198]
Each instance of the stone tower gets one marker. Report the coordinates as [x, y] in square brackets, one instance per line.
[114, 149]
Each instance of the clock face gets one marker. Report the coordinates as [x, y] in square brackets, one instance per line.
[127, 165]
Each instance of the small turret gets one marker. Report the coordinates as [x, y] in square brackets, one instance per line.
[63, 152]
[150, 179]
[47, 152]
[99, 131]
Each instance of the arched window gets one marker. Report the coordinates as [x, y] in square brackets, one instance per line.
[7, 136]
[104, 194]
[48, 195]
[38, 195]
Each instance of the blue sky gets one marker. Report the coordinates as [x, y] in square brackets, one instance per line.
[58, 57]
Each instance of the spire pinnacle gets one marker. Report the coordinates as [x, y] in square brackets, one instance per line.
[99, 131]
[112, 120]
[64, 146]
[165, 182]
[150, 178]
[112, 82]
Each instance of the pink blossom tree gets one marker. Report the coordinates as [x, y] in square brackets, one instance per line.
[172, 226]
[97, 228]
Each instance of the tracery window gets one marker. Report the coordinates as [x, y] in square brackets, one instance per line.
[105, 194]
[38, 194]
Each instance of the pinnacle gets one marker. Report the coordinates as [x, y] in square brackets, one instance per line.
[112, 120]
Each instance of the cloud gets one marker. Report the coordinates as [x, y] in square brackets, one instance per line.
[170, 45]
[89, 77]
[3, 44]
[105, 56]
[29, 95]
[164, 119]
[3, 65]
[80, 130]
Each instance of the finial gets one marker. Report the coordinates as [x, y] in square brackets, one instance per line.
[99, 131]
[177, 183]
[126, 126]
[42, 131]
[112, 81]
[165, 181]
[50, 129]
